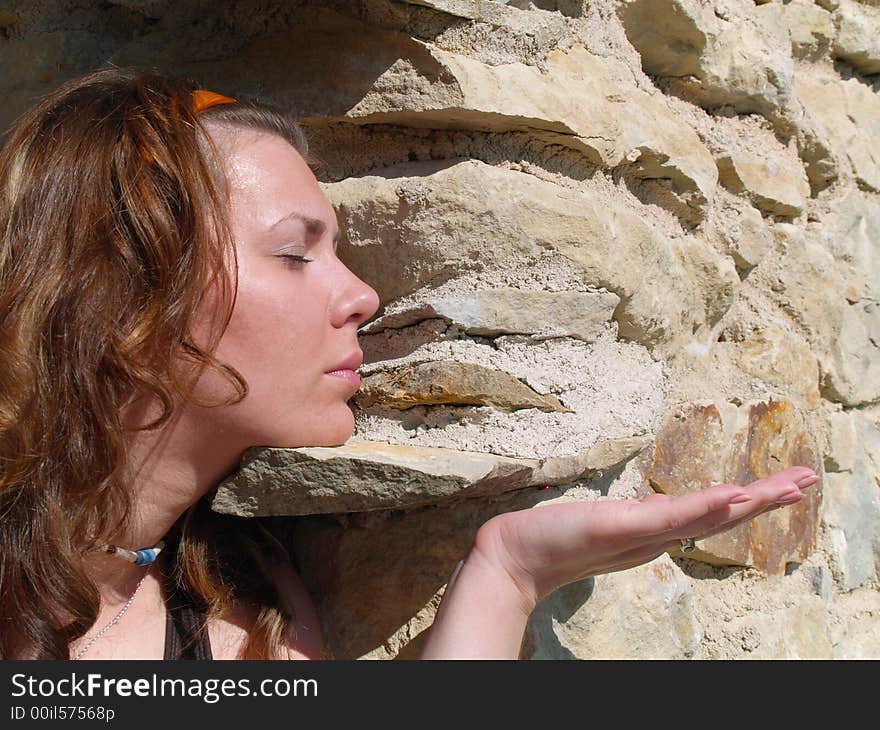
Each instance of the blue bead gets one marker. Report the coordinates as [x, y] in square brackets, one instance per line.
[145, 556]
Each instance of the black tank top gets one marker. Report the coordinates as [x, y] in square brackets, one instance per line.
[184, 617]
[182, 637]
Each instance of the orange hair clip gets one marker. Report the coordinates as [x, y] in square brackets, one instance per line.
[201, 99]
[204, 99]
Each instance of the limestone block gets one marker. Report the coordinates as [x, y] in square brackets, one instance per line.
[844, 443]
[773, 352]
[811, 28]
[773, 185]
[719, 54]
[435, 383]
[843, 115]
[821, 163]
[583, 102]
[666, 149]
[850, 232]
[746, 237]
[645, 612]
[489, 313]
[465, 8]
[700, 445]
[851, 516]
[594, 461]
[670, 35]
[858, 36]
[496, 32]
[796, 631]
[855, 634]
[419, 220]
[810, 287]
[494, 13]
[851, 513]
[366, 475]
[362, 475]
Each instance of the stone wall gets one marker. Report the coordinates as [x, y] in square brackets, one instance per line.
[621, 246]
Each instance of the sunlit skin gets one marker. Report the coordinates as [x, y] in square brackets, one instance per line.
[293, 320]
[292, 323]
[520, 557]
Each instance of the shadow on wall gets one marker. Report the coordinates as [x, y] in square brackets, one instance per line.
[367, 613]
[302, 65]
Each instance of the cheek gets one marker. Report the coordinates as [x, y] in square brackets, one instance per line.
[270, 334]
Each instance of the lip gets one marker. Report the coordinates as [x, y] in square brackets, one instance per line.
[347, 376]
[352, 362]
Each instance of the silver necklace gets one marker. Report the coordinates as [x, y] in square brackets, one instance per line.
[119, 615]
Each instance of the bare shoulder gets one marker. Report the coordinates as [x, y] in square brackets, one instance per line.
[305, 641]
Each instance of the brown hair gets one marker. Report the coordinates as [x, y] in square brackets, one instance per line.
[112, 226]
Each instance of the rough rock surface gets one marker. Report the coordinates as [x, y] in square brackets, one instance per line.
[852, 513]
[719, 54]
[494, 312]
[435, 213]
[637, 209]
[857, 40]
[700, 445]
[451, 383]
[842, 114]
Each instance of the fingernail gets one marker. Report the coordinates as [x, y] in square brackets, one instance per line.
[807, 481]
[790, 498]
[739, 499]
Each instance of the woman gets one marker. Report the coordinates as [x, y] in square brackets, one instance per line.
[170, 295]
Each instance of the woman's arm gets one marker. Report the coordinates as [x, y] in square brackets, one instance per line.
[482, 615]
[520, 557]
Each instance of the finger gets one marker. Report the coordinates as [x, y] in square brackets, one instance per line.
[791, 473]
[656, 497]
[651, 519]
[649, 551]
[762, 498]
[737, 514]
[735, 523]
[749, 503]
[702, 535]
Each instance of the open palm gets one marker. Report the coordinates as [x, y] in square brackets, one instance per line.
[545, 548]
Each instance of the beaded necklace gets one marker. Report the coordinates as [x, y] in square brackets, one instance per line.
[144, 556]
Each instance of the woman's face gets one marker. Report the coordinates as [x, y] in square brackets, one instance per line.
[293, 322]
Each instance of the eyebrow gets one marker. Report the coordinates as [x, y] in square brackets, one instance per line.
[315, 227]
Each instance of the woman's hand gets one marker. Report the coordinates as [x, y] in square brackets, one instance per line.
[544, 548]
[520, 557]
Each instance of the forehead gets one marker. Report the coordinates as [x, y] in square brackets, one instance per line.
[271, 180]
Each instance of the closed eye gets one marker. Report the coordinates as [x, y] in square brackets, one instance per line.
[296, 259]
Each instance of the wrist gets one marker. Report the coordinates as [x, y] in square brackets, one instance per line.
[482, 615]
[490, 552]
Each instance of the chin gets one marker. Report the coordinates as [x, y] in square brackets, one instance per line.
[336, 442]
[333, 428]
[333, 432]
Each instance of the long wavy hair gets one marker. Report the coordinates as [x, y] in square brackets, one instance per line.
[113, 225]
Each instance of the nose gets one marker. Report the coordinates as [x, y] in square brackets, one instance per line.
[357, 302]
